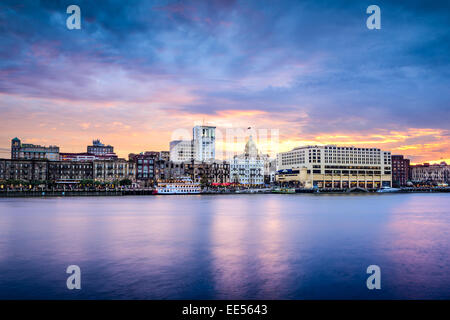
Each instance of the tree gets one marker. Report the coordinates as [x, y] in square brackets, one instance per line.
[86, 182]
[204, 182]
[125, 182]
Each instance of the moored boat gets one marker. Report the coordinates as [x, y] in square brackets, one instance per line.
[388, 189]
[283, 190]
[183, 186]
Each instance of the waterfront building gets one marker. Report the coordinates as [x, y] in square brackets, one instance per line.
[433, 174]
[204, 143]
[108, 171]
[70, 172]
[83, 156]
[248, 168]
[27, 151]
[45, 170]
[99, 149]
[198, 171]
[168, 170]
[270, 170]
[161, 169]
[23, 170]
[181, 151]
[145, 166]
[337, 167]
[210, 172]
[400, 171]
[164, 155]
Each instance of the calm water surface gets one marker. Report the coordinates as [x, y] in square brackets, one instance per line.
[300, 246]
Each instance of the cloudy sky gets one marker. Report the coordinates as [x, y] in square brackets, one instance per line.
[138, 70]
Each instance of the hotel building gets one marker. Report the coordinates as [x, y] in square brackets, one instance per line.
[336, 167]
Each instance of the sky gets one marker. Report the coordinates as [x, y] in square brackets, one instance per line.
[138, 71]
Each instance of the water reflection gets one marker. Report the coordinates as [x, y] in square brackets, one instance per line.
[232, 247]
[418, 251]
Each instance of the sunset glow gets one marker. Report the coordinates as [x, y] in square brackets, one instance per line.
[132, 77]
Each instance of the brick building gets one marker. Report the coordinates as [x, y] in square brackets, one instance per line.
[400, 171]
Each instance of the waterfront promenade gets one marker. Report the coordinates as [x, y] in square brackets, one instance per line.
[147, 192]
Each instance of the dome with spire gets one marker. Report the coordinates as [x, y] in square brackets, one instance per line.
[251, 150]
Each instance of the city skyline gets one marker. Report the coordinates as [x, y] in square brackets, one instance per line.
[312, 70]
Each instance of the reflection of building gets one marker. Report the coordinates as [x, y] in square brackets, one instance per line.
[247, 168]
[431, 173]
[204, 143]
[400, 171]
[335, 167]
[117, 170]
[21, 150]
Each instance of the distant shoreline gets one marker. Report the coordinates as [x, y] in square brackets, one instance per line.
[109, 193]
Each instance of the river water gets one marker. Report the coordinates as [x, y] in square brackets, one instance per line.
[275, 246]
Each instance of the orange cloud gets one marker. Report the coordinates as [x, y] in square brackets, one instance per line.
[148, 125]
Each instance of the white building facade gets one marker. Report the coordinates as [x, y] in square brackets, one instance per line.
[247, 168]
[431, 173]
[335, 167]
[204, 143]
[201, 148]
[181, 150]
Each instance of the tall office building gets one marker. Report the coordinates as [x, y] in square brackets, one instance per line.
[201, 148]
[204, 143]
